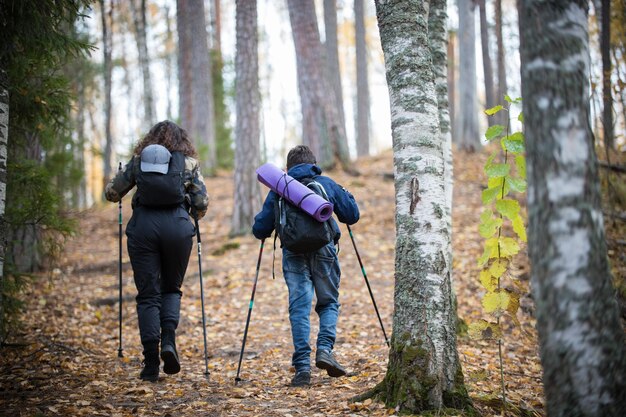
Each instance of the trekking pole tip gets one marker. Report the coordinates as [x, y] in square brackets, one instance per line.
[119, 353]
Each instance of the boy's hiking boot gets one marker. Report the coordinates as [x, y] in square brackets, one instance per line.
[301, 379]
[326, 360]
[171, 365]
[151, 363]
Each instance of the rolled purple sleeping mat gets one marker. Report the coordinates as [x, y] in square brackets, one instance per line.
[294, 191]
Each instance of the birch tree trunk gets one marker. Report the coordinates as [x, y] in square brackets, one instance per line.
[321, 128]
[424, 372]
[108, 72]
[467, 116]
[139, 21]
[362, 83]
[195, 90]
[247, 130]
[4, 142]
[581, 338]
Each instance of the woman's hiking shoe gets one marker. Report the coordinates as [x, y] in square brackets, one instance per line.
[301, 379]
[326, 360]
[171, 365]
[151, 363]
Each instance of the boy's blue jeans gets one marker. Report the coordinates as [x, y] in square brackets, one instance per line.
[305, 273]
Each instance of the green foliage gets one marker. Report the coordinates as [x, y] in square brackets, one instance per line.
[38, 39]
[501, 214]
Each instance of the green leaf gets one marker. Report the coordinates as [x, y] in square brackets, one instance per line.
[490, 251]
[496, 302]
[514, 143]
[520, 163]
[520, 117]
[489, 224]
[497, 170]
[508, 99]
[508, 247]
[489, 281]
[512, 100]
[494, 132]
[494, 110]
[519, 228]
[501, 184]
[490, 194]
[517, 184]
[498, 267]
[483, 329]
[508, 208]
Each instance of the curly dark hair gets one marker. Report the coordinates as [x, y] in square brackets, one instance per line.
[300, 154]
[170, 135]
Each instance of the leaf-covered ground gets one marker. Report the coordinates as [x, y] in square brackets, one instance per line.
[65, 360]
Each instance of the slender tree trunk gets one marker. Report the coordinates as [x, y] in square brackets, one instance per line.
[169, 64]
[216, 27]
[108, 72]
[4, 142]
[424, 372]
[467, 130]
[362, 83]
[321, 129]
[580, 334]
[502, 117]
[139, 21]
[488, 72]
[197, 110]
[334, 70]
[607, 99]
[247, 130]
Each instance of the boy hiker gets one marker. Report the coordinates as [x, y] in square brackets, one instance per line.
[160, 235]
[316, 271]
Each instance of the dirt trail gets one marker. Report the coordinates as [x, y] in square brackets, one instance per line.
[65, 362]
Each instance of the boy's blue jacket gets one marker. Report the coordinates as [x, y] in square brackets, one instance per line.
[343, 202]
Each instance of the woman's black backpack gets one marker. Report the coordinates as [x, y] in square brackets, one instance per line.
[298, 231]
[163, 190]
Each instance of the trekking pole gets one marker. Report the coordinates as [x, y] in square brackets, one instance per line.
[119, 349]
[368, 284]
[245, 332]
[206, 359]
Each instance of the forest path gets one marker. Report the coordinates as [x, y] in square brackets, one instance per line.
[64, 362]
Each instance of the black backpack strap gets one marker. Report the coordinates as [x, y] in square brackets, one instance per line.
[274, 254]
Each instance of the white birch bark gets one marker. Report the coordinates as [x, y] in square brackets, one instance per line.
[247, 129]
[424, 372]
[581, 338]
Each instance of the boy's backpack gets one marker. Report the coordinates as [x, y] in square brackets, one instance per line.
[162, 190]
[298, 231]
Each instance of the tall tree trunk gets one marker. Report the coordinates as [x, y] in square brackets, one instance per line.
[108, 72]
[502, 117]
[139, 20]
[424, 372]
[247, 130]
[321, 129]
[169, 64]
[334, 70]
[197, 110]
[580, 334]
[607, 99]
[362, 83]
[467, 118]
[437, 29]
[4, 142]
[216, 28]
[488, 72]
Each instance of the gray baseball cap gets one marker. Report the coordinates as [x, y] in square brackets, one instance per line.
[155, 158]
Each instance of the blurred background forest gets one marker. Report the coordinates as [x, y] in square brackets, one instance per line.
[83, 80]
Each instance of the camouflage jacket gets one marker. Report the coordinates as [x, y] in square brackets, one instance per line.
[125, 180]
